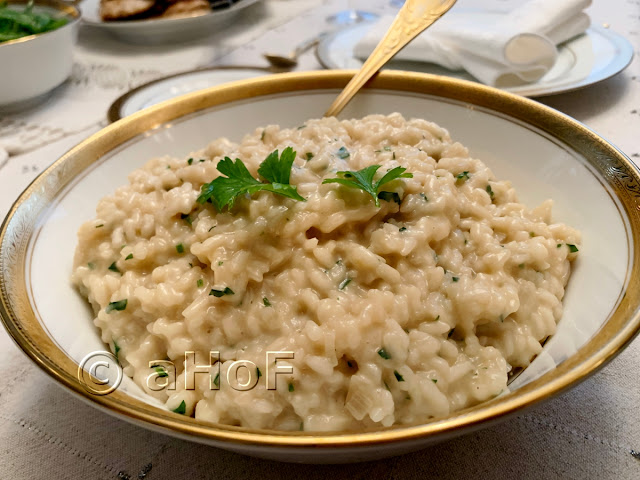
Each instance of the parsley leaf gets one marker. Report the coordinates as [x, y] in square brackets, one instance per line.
[363, 179]
[223, 191]
[278, 170]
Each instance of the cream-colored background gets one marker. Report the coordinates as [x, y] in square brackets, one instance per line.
[46, 433]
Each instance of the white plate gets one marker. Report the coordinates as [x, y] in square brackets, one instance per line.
[543, 152]
[162, 30]
[597, 55]
[173, 86]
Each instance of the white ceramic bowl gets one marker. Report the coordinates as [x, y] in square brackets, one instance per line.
[34, 65]
[543, 152]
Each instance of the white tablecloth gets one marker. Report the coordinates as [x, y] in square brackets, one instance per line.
[588, 432]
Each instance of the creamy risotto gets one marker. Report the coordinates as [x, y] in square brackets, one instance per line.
[395, 314]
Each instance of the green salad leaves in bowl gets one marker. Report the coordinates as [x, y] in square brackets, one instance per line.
[36, 49]
[21, 22]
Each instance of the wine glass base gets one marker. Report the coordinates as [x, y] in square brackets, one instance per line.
[349, 17]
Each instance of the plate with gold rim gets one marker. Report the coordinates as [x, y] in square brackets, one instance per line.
[592, 57]
[172, 86]
[544, 153]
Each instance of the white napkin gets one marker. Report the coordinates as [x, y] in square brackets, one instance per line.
[499, 49]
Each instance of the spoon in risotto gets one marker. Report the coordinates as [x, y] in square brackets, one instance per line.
[414, 17]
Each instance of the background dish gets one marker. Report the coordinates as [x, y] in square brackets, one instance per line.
[173, 86]
[543, 152]
[36, 64]
[582, 61]
[162, 30]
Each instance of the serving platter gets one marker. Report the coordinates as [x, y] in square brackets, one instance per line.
[162, 30]
[592, 57]
[545, 154]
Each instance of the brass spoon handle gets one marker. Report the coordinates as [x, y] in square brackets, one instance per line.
[413, 18]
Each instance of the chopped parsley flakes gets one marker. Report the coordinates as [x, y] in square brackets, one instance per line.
[462, 177]
[384, 354]
[160, 371]
[489, 191]
[119, 306]
[343, 153]
[181, 409]
[221, 293]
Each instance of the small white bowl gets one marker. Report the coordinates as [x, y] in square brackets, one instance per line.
[36, 64]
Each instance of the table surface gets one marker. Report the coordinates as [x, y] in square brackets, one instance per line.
[591, 431]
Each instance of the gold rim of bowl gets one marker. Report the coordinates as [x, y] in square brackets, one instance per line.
[612, 165]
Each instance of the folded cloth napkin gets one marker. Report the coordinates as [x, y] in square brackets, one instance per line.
[499, 49]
